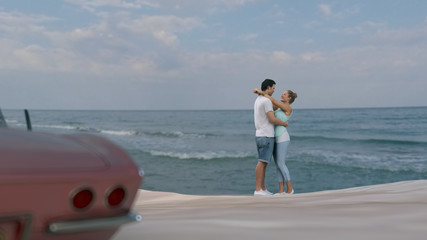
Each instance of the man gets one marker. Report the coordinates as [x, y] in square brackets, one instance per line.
[264, 124]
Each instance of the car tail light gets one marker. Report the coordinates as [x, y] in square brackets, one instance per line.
[82, 199]
[116, 196]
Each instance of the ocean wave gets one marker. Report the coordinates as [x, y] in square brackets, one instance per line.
[119, 132]
[89, 130]
[68, 127]
[362, 161]
[367, 140]
[178, 134]
[11, 121]
[65, 127]
[209, 155]
[399, 142]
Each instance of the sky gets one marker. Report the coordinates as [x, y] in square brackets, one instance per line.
[199, 54]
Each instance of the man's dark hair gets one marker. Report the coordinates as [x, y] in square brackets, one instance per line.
[267, 83]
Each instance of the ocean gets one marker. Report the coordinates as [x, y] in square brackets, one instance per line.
[213, 152]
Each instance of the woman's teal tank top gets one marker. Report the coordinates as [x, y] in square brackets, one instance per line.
[279, 130]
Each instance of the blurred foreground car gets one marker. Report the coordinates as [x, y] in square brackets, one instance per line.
[76, 186]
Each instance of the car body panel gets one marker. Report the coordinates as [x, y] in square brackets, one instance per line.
[40, 173]
[20, 149]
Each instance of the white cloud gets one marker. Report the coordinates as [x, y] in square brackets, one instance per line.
[186, 5]
[309, 41]
[325, 9]
[312, 57]
[107, 47]
[162, 28]
[281, 56]
[122, 43]
[313, 24]
[201, 4]
[15, 23]
[167, 38]
[166, 23]
[91, 5]
[367, 27]
[400, 36]
[248, 37]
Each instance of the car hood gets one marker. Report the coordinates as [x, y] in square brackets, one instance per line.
[31, 151]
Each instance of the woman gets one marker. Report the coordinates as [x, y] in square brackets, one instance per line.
[283, 111]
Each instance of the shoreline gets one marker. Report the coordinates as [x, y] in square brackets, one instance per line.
[387, 211]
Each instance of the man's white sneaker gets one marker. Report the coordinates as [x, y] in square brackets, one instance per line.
[262, 193]
[259, 193]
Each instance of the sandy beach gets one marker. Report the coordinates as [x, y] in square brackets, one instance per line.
[388, 211]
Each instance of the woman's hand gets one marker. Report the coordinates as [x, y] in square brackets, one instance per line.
[257, 91]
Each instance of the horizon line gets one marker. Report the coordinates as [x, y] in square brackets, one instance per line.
[213, 109]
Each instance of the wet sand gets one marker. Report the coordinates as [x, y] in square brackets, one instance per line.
[388, 211]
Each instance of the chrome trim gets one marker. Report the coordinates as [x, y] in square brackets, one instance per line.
[141, 172]
[25, 219]
[92, 224]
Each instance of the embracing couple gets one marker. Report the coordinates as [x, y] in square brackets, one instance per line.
[272, 139]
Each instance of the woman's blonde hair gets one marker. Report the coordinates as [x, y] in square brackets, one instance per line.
[292, 95]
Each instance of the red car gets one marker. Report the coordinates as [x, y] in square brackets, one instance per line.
[76, 186]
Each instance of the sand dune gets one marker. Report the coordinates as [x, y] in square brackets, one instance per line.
[388, 211]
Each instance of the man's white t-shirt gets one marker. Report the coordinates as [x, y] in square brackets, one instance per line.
[264, 128]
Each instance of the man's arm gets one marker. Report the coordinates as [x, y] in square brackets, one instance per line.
[274, 120]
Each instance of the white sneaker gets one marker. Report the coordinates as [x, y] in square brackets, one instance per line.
[262, 193]
[280, 194]
[259, 193]
[268, 192]
[284, 193]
